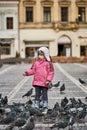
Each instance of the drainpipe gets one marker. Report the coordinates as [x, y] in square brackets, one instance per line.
[18, 31]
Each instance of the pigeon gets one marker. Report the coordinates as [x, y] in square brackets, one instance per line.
[71, 121]
[81, 104]
[82, 82]
[29, 93]
[56, 106]
[62, 88]
[9, 119]
[64, 102]
[81, 114]
[19, 122]
[2, 110]
[53, 114]
[29, 102]
[25, 114]
[74, 102]
[4, 100]
[30, 125]
[86, 98]
[32, 110]
[62, 124]
[56, 84]
[49, 111]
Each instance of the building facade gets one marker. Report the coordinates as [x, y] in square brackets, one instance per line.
[9, 34]
[60, 25]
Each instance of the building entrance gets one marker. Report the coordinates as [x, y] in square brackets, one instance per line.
[64, 50]
[83, 50]
[64, 46]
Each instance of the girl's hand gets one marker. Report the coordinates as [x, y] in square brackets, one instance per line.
[47, 82]
[24, 74]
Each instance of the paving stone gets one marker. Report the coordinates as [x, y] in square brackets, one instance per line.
[12, 77]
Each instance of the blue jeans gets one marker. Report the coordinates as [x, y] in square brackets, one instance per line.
[39, 90]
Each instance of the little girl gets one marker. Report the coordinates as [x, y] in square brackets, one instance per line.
[43, 72]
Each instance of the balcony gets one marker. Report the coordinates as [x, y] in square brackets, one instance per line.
[65, 26]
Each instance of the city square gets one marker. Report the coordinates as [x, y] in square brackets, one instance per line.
[61, 27]
[14, 85]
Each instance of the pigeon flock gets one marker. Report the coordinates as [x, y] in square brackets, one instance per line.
[69, 113]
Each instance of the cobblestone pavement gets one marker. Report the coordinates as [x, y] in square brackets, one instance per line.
[14, 84]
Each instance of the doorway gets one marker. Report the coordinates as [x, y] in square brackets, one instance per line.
[60, 48]
[83, 50]
[64, 50]
[64, 46]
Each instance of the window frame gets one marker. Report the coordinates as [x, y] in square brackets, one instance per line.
[47, 14]
[6, 49]
[32, 19]
[9, 23]
[62, 13]
[80, 15]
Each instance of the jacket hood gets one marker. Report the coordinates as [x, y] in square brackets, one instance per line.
[46, 52]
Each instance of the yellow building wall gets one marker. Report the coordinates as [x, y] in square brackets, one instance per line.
[51, 32]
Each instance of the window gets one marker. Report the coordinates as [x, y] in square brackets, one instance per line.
[81, 14]
[47, 14]
[64, 14]
[29, 14]
[9, 22]
[6, 50]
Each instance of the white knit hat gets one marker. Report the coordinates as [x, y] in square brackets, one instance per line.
[46, 52]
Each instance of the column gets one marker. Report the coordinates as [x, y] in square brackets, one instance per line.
[38, 11]
[55, 11]
[73, 11]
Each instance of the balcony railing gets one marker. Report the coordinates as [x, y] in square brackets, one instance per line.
[65, 26]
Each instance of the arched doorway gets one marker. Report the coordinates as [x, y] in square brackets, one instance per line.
[64, 46]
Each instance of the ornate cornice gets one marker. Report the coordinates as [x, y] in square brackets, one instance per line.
[81, 2]
[9, 2]
[45, 2]
[27, 2]
[64, 2]
[65, 26]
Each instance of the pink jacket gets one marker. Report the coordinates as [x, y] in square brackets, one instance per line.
[43, 71]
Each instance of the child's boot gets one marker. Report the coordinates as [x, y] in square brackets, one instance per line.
[36, 105]
[41, 104]
[45, 105]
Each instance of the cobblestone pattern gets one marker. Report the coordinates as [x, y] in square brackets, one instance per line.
[9, 79]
